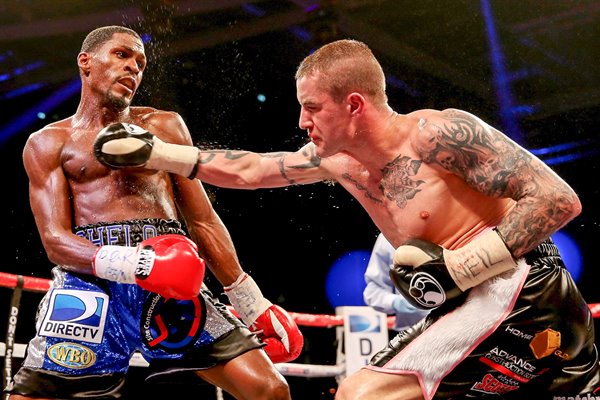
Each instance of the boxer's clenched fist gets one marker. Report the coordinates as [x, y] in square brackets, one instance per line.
[272, 324]
[168, 265]
[428, 274]
[126, 145]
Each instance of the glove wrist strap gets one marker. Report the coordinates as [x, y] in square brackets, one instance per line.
[247, 299]
[116, 263]
[176, 158]
[479, 260]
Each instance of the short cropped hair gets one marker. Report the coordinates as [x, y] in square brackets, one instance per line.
[99, 36]
[346, 66]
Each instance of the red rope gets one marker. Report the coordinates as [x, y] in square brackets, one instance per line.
[33, 284]
[30, 283]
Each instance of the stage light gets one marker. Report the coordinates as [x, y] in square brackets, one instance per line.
[23, 120]
[41, 115]
[570, 252]
[261, 97]
[345, 280]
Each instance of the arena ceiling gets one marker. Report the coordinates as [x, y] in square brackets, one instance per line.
[544, 61]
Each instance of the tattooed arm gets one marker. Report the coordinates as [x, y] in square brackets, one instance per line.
[493, 164]
[247, 170]
[126, 145]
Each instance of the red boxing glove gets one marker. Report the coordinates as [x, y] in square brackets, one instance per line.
[273, 325]
[168, 265]
[281, 334]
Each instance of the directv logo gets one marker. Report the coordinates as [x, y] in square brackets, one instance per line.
[75, 315]
[362, 323]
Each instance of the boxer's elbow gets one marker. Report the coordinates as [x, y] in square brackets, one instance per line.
[58, 249]
[577, 206]
[571, 198]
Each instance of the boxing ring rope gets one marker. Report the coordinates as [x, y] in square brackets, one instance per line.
[20, 283]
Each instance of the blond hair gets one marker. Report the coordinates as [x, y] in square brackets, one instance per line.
[346, 66]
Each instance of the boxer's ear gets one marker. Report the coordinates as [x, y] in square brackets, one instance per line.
[83, 61]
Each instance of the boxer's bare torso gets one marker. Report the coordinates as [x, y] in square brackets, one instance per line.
[418, 201]
[408, 197]
[99, 194]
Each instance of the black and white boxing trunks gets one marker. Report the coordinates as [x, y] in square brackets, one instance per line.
[526, 334]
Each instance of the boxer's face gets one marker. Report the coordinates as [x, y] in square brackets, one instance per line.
[325, 121]
[117, 69]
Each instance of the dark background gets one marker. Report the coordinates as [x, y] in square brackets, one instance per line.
[527, 67]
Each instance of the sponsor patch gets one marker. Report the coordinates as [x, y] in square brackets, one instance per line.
[491, 385]
[545, 343]
[71, 355]
[145, 262]
[75, 315]
[171, 324]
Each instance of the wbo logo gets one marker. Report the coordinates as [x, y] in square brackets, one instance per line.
[76, 315]
[71, 355]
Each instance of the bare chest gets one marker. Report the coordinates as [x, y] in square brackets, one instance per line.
[411, 199]
[99, 193]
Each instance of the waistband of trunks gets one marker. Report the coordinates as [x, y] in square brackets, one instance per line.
[129, 232]
[546, 249]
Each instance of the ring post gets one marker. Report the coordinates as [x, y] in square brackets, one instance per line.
[9, 341]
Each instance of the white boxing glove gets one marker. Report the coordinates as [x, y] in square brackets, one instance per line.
[126, 145]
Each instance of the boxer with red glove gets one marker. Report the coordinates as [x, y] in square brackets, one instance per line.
[428, 274]
[270, 322]
[168, 265]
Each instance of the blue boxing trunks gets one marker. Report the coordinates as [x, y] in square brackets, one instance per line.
[526, 334]
[88, 328]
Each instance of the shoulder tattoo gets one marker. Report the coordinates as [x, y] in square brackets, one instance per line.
[463, 145]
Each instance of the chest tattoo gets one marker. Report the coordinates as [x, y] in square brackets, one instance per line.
[398, 183]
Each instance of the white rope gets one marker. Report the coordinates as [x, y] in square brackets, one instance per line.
[310, 370]
[287, 369]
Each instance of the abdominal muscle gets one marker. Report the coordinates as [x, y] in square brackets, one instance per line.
[107, 199]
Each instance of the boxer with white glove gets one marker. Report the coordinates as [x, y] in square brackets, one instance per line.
[429, 275]
[126, 145]
[271, 323]
[168, 265]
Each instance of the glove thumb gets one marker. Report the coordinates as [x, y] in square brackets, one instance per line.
[410, 255]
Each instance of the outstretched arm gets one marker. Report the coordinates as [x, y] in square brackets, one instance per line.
[247, 170]
[125, 145]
